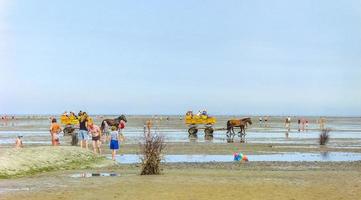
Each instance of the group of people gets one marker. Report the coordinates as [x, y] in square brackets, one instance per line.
[5, 117]
[263, 121]
[304, 123]
[199, 114]
[88, 130]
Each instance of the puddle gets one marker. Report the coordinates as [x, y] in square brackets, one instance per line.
[89, 175]
[281, 157]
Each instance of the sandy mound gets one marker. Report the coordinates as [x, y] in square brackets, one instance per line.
[27, 161]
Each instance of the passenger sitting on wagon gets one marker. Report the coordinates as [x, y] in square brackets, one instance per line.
[73, 116]
[199, 113]
[66, 114]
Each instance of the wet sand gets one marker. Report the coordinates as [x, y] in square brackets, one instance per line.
[268, 180]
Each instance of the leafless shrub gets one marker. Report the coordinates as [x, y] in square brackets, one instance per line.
[151, 151]
[324, 136]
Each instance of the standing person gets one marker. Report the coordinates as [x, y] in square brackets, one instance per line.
[303, 121]
[266, 121]
[260, 121]
[299, 124]
[306, 124]
[121, 126]
[19, 142]
[94, 130]
[54, 131]
[288, 123]
[83, 131]
[148, 126]
[114, 141]
[322, 122]
[105, 132]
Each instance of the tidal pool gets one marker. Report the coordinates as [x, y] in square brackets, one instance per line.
[281, 157]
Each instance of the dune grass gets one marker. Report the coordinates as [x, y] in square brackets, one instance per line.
[32, 160]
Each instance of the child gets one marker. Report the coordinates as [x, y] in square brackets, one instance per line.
[114, 141]
[19, 142]
[54, 132]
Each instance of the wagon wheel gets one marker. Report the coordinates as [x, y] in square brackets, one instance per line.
[68, 130]
[193, 132]
[208, 133]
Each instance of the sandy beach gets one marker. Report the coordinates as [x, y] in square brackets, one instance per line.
[198, 181]
[48, 175]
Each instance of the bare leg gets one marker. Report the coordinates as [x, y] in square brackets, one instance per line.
[95, 146]
[99, 147]
[113, 154]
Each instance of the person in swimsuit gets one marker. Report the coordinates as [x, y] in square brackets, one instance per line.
[19, 142]
[95, 132]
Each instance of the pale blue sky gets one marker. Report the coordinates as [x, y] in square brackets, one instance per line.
[165, 57]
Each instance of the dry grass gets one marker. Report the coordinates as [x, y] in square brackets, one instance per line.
[324, 136]
[151, 150]
[31, 160]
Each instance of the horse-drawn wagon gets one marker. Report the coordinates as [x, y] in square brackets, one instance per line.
[200, 121]
[71, 124]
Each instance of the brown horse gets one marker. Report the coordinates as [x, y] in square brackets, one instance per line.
[242, 124]
[112, 122]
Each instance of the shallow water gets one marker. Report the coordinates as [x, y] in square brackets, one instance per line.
[282, 157]
[348, 131]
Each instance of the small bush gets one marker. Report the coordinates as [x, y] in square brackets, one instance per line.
[151, 150]
[324, 136]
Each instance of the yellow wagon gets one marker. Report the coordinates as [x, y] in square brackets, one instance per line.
[202, 121]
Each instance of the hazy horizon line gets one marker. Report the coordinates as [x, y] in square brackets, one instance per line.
[173, 114]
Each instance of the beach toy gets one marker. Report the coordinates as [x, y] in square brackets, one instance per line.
[236, 157]
[245, 158]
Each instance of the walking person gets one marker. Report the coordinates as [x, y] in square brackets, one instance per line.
[54, 132]
[95, 132]
[83, 131]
